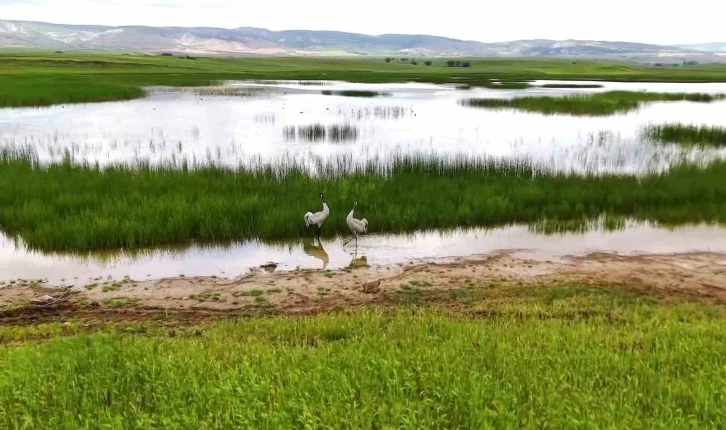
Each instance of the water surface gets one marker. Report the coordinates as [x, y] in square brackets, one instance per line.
[16, 262]
[171, 125]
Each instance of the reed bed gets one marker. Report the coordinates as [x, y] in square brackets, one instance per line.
[319, 132]
[686, 134]
[65, 206]
[583, 86]
[600, 104]
[353, 93]
[314, 83]
[228, 91]
[379, 112]
[555, 356]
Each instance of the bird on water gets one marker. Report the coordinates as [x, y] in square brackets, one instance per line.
[356, 226]
[318, 218]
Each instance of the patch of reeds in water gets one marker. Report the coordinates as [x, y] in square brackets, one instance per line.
[353, 93]
[600, 104]
[378, 112]
[319, 132]
[583, 86]
[686, 134]
[314, 83]
[605, 222]
[228, 91]
[506, 85]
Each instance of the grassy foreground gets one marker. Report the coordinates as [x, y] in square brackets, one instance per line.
[547, 357]
[71, 207]
[44, 78]
[687, 134]
[600, 104]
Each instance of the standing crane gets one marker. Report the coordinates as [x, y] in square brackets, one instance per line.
[357, 226]
[318, 218]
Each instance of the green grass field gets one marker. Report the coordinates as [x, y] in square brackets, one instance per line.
[600, 104]
[686, 134]
[564, 356]
[43, 78]
[72, 207]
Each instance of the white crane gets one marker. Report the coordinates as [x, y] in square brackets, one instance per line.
[357, 226]
[318, 218]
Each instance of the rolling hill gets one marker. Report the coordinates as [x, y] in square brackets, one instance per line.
[258, 41]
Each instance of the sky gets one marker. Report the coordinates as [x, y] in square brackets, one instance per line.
[647, 21]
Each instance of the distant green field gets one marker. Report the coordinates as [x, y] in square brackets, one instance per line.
[559, 356]
[43, 78]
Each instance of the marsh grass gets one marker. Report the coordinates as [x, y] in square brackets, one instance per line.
[314, 83]
[354, 93]
[505, 85]
[379, 112]
[83, 207]
[556, 354]
[583, 86]
[318, 132]
[599, 104]
[686, 134]
[228, 91]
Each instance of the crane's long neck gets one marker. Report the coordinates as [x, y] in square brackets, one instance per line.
[326, 209]
[351, 214]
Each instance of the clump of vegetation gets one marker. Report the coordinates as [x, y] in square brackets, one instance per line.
[318, 132]
[82, 207]
[353, 93]
[571, 86]
[600, 104]
[314, 83]
[686, 134]
[506, 85]
[228, 91]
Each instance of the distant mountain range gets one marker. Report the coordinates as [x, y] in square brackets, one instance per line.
[251, 41]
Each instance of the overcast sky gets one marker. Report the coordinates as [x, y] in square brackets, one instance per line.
[650, 21]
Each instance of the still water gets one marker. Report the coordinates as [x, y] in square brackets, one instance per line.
[248, 126]
[16, 262]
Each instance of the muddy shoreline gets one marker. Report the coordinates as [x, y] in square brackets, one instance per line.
[697, 275]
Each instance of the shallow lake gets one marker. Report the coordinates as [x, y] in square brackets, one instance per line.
[16, 262]
[249, 126]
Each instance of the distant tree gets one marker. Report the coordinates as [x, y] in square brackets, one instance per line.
[414, 62]
[451, 63]
[428, 62]
[388, 59]
[58, 52]
[457, 63]
[166, 54]
[405, 60]
[465, 64]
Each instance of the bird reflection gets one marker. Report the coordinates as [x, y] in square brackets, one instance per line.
[356, 261]
[317, 251]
